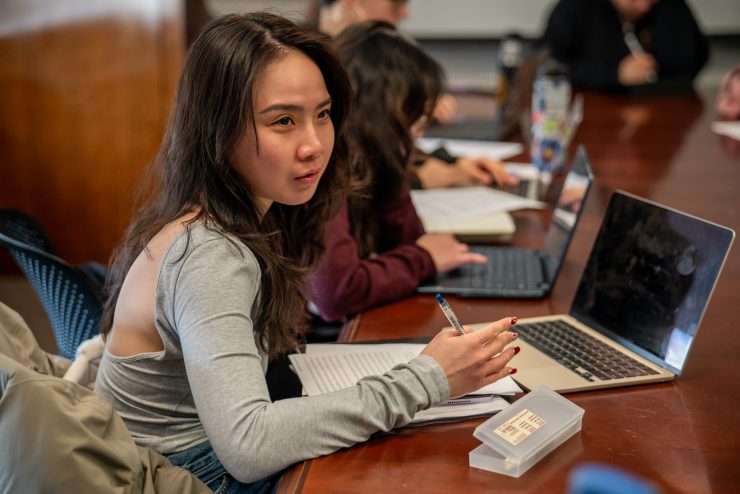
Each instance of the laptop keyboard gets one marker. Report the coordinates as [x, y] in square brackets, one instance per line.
[580, 352]
[507, 269]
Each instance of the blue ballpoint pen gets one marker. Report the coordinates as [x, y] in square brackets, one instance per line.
[449, 314]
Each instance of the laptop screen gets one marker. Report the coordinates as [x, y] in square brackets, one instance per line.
[649, 278]
[567, 210]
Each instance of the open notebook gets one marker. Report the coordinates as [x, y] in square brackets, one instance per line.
[639, 303]
[327, 367]
[469, 213]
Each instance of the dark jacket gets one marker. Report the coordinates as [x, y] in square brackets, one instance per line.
[587, 36]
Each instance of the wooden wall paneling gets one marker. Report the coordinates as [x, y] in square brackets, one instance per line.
[85, 90]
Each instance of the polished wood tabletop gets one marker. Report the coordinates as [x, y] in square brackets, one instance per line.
[683, 436]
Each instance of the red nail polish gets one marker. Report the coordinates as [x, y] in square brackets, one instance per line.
[512, 371]
[517, 350]
[514, 335]
[513, 320]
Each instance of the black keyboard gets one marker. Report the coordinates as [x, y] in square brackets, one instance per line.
[507, 269]
[579, 352]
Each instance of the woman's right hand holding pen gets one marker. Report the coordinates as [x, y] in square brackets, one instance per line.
[475, 359]
[637, 69]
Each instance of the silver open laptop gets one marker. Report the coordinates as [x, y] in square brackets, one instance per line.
[638, 306]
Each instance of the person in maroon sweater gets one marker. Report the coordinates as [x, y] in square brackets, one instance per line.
[346, 283]
[376, 248]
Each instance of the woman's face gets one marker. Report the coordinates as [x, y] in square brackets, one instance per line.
[292, 114]
[634, 10]
[391, 11]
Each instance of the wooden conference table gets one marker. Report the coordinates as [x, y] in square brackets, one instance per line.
[685, 435]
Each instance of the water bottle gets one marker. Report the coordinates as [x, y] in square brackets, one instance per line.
[550, 106]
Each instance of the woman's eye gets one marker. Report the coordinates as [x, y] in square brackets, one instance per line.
[284, 121]
[325, 114]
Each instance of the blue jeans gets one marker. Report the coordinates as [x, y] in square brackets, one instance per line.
[202, 462]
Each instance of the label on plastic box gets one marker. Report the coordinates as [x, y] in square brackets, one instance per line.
[518, 427]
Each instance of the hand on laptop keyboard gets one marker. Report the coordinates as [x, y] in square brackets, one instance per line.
[447, 253]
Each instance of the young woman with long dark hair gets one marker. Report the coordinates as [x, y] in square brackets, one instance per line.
[206, 286]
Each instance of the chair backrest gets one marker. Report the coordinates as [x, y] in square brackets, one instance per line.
[23, 227]
[70, 300]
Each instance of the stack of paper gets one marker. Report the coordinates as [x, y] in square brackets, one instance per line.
[469, 210]
[455, 203]
[330, 367]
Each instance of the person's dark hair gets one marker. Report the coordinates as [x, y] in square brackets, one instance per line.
[193, 171]
[395, 84]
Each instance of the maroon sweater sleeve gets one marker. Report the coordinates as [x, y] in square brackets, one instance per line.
[344, 284]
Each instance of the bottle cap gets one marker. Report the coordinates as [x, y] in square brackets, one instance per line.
[552, 68]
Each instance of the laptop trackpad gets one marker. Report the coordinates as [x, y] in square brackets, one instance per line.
[457, 278]
[535, 368]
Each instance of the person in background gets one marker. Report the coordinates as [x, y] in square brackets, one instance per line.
[205, 288]
[589, 36]
[727, 105]
[728, 96]
[337, 15]
[376, 248]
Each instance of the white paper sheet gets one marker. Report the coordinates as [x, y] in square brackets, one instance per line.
[330, 367]
[470, 148]
[453, 203]
[729, 129]
[334, 366]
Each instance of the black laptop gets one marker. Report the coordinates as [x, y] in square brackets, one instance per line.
[517, 272]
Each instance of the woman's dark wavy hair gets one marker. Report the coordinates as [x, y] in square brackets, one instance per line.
[395, 83]
[193, 172]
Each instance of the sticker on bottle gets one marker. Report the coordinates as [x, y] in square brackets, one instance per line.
[517, 428]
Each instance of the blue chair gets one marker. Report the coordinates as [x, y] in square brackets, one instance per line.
[21, 226]
[71, 296]
[24, 228]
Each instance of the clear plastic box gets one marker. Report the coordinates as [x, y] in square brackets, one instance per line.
[525, 432]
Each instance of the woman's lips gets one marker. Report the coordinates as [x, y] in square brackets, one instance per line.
[309, 178]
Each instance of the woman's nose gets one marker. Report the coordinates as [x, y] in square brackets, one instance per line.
[312, 147]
